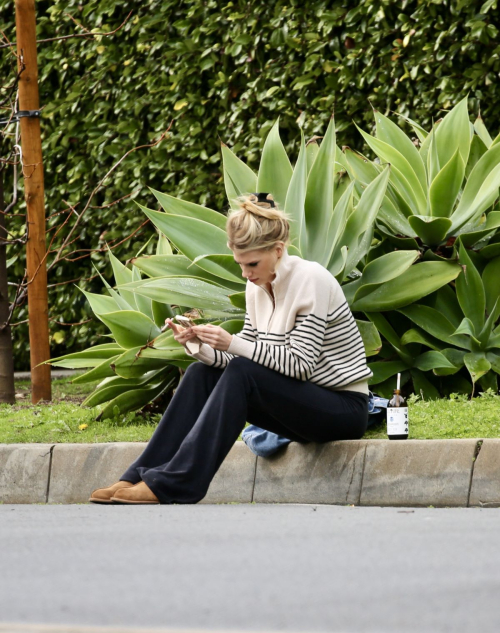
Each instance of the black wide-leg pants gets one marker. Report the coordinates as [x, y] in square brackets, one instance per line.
[209, 410]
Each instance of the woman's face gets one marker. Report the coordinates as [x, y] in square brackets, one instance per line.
[258, 266]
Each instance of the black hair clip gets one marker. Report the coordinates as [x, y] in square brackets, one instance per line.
[264, 197]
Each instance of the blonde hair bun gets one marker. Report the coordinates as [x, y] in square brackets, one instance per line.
[257, 223]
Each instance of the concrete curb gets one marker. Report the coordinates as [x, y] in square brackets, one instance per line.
[441, 473]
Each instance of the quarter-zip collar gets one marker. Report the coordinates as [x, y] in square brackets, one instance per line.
[278, 286]
[283, 268]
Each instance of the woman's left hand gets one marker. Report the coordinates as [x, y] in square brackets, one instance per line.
[214, 336]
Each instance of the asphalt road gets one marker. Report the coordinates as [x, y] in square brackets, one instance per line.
[252, 567]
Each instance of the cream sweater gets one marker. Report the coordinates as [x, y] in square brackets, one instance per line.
[307, 333]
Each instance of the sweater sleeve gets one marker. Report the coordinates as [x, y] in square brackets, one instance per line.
[299, 355]
[219, 359]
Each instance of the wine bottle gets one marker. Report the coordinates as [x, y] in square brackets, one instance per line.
[397, 415]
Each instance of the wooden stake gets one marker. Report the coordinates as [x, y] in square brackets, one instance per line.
[34, 194]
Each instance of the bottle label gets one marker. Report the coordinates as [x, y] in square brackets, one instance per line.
[397, 420]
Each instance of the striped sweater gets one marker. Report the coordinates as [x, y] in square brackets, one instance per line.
[307, 333]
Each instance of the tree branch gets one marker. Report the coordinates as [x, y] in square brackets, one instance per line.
[99, 185]
[87, 35]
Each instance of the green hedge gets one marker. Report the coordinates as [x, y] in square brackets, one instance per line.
[224, 72]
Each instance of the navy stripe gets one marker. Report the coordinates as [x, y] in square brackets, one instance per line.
[328, 350]
[308, 340]
[332, 315]
[356, 372]
[313, 327]
[341, 345]
[333, 362]
[312, 316]
[334, 369]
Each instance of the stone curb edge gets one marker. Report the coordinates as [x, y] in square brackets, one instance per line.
[440, 473]
[77, 628]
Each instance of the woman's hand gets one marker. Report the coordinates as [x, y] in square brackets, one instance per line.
[182, 334]
[214, 336]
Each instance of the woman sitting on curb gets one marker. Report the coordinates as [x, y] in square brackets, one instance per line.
[297, 368]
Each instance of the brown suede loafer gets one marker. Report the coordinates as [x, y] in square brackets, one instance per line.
[140, 493]
[103, 495]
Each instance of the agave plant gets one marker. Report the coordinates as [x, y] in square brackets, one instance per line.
[441, 190]
[457, 326]
[437, 194]
[131, 370]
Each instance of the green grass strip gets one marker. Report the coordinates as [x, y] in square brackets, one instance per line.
[64, 420]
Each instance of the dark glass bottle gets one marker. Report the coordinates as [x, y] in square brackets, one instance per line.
[397, 417]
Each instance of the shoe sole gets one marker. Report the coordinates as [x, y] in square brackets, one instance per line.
[97, 500]
[127, 502]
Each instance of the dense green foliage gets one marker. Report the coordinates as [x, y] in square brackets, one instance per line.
[224, 71]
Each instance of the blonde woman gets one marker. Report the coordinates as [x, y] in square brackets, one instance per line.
[297, 368]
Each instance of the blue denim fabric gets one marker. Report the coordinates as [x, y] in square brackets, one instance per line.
[264, 443]
[376, 404]
[261, 442]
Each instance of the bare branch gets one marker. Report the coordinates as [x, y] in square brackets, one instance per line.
[53, 215]
[106, 206]
[70, 281]
[97, 188]
[14, 86]
[62, 323]
[87, 35]
[101, 250]
[9, 43]
[81, 25]
[17, 150]
[13, 215]
[20, 295]
[8, 233]
[50, 319]
[16, 240]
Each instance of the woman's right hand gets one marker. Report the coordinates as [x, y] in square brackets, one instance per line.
[182, 334]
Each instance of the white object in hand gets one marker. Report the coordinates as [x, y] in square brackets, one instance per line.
[183, 320]
[193, 346]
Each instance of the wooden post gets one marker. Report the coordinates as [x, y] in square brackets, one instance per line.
[34, 194]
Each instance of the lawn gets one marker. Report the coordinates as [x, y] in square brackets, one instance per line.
[64, 420]
[453, 417]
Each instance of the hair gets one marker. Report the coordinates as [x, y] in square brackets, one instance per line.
[257, 224]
